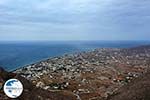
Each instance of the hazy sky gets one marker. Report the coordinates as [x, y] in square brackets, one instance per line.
[74, 19]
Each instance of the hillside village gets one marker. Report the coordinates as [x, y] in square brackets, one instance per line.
[92, 75]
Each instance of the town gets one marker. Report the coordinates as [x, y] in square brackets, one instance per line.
[91, 75]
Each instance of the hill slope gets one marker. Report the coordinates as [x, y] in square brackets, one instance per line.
[93, 75]
[138, 89]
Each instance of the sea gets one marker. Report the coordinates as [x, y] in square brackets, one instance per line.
[14, 55]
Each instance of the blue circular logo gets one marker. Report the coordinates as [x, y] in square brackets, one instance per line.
[13, 88]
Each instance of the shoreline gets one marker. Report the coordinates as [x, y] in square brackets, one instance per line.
[101, 71]
[43, 60]
[73, 53]
[25, 57]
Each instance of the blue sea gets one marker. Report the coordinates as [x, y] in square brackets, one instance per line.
[14, 55]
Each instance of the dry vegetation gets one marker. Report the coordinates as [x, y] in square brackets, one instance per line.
[112, 74]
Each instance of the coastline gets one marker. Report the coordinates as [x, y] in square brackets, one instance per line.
[17, 54]
[42, 60]
[73, 53]
[104, 80]
[99, 71]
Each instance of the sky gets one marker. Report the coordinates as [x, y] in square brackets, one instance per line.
[27, 20]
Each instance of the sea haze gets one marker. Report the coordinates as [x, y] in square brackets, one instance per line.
[17, 54]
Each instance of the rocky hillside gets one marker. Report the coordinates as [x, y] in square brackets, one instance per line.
[93, 75]
[30, 91]
[138, 89]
